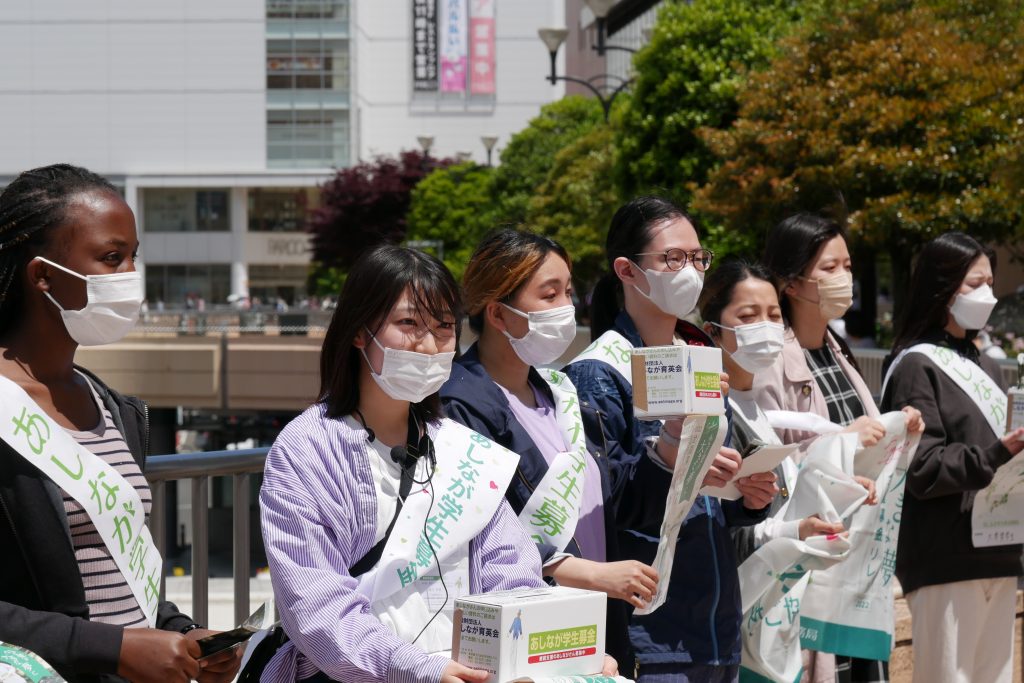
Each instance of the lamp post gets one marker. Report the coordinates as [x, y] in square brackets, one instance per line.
[553, 39]
[426, 142]
[601, 8]
[489, 142]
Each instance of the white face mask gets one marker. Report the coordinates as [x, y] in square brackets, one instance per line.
[758, 345]
[111, 310]
[409, 375]
[675, 292]
[971, 310]
[551, 333]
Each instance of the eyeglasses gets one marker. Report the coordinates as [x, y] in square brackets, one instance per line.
[676, 259]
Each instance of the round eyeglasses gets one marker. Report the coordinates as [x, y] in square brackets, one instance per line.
[676, 259]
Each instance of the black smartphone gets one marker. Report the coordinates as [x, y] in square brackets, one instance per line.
[218, 642]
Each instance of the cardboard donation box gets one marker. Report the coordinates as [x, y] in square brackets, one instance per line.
[531, 634]
[671, 381]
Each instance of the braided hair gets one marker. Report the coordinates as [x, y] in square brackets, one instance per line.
[30, 207]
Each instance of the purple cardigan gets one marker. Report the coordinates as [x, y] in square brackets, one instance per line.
[318, 514]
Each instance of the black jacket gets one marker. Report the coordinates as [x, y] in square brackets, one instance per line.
[958, 456]
[701, 619]
[42, 599]
[471, 397]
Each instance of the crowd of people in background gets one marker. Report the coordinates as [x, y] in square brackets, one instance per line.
[358, 474]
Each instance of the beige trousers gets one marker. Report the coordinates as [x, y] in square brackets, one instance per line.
[963, 631]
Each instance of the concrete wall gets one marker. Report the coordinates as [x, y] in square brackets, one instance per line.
[133, 86]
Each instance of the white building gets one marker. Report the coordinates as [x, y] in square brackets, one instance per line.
[219, 117]
[392, 112]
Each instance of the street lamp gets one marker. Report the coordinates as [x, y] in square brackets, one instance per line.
[426, 142]
[601, 8]
[489, 142]
[553, 39]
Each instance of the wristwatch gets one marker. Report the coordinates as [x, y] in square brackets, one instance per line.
[190, 627]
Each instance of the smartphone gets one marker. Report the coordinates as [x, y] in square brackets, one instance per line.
[218, 642]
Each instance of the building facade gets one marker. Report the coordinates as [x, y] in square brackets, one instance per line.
[219, 119]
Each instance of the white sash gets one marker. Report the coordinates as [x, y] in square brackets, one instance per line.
[112, 504]
[468, 486]
[611, 348]
[551, 514]
[971, 379]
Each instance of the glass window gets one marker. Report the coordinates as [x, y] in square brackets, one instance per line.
[307, 9]
[268, 283]
[313, 138]
[307, 65]
[185, 210]
[175, 285]
[281, 209]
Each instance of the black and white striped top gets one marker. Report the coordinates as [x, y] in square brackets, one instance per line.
[107, 594]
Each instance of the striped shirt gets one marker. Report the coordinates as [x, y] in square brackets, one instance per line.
[107, 594]
[844, 405]
[318, 511]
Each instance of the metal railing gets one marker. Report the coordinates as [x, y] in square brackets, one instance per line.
[199, 468]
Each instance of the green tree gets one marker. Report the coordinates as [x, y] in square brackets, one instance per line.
[530, 153]
[454, 206]
[576, 201]
[911, 111]
[687, 78]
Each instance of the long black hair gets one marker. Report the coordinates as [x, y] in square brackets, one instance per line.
[792, 246]
[628, 235]
[31, 207]
[721, 282]
[374, 285]
[941, 268]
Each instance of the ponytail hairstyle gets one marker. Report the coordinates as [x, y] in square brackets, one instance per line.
[792, 246]
[721, 283]
[628, 235]
[504, 261]
[31, 207]
[941, 268]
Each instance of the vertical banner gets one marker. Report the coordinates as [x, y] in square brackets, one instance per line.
[424, 45]
[454, 45]
[481, 45]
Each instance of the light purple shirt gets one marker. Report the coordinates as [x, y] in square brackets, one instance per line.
[319, 517]
[541, 426]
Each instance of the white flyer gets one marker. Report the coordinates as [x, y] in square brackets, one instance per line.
[764, 459]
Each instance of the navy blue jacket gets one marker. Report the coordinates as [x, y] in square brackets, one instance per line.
[700, 620]
[472, 398]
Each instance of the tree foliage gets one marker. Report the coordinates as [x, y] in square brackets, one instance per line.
[576, 201]
[365, 205]
[687, 78]
[911, 111]
[453, 205]
[530, 153]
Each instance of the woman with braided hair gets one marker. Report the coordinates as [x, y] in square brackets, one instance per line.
[79, 584]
